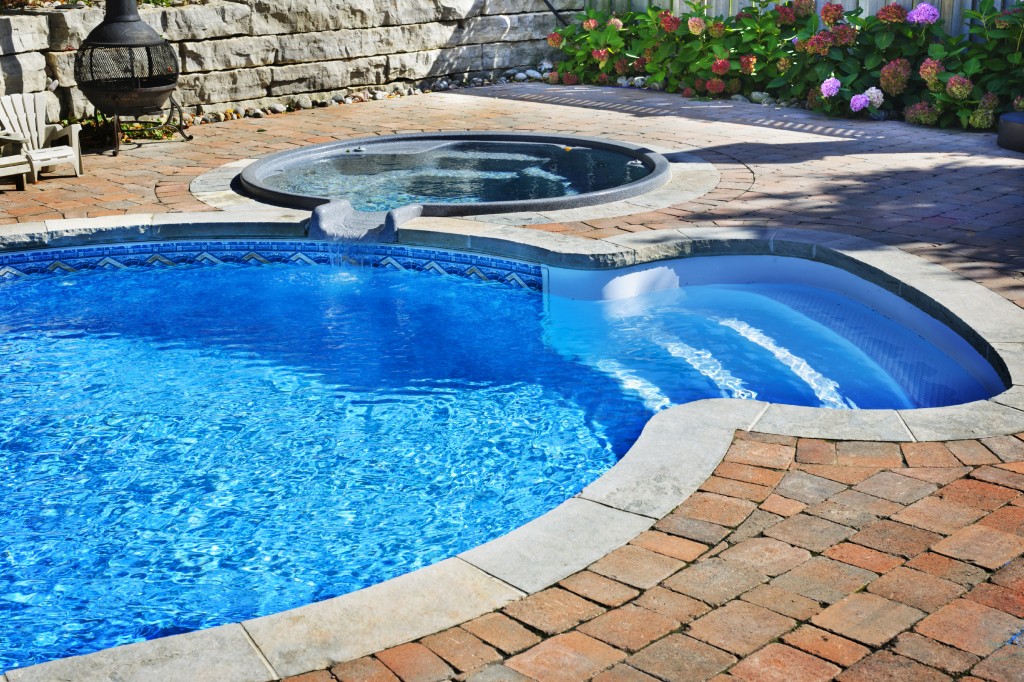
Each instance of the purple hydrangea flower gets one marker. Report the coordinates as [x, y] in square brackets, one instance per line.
[858, 102]
[830, 88]
[923, 14]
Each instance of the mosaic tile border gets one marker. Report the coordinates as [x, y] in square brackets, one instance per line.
[265, 252]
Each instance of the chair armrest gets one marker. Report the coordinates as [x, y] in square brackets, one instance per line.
[55, 131]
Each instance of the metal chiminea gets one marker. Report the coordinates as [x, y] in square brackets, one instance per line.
[125, 68]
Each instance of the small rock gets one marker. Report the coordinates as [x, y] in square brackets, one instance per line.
[277, 108]
[879, 115]
[533, 75]
[654, 85]
[758, 97]
[339, 98]
[304, 102]
[545, 66]
[379, 95]
[348, 100]
[502, 81]
[622, 82]
[639, 81]
[416, 91]
[769, 101]
[739, 98]
[511, 73]
[441, 85]
[322, 103]
[256, 113]
[356, 99]
[521, 77]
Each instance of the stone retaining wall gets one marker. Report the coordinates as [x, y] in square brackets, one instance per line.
[257, 52]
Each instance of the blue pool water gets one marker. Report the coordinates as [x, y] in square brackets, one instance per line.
[186, 447]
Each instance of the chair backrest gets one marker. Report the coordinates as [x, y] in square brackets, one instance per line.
[25, 114]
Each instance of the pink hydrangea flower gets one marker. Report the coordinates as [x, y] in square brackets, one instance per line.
[570, 79]
[669, 22]
[696, 25]
[832, 13]
[1018, 103]
[895, 76]
[555, 40]
[621, 66]
[688, 92]
[716, 86]
[747, 63]
[787, 15]
[930, 69]
[804, 8]
[922, 114]
[615, 23]
[589, 24]
[720, 67]
[843, 35]
[892, 13]
[783, 65]
[600, 55]
[923, 14]
[959, 87]
[716, 30]
[858, 102]
[830, 88]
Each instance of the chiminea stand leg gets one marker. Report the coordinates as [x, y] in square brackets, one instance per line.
[168, 124]
[180, 125]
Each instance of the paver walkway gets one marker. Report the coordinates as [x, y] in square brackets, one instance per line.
[797, 560]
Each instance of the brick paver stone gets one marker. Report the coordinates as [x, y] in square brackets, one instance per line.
[864, 453]
[636, 566]
[940, 477]
[698, 531]
[914, 588]
[569, 657]
[826, 645]
[713, 508]
[806, 488]
[867, 618]
[928, 651]
[1011, 576]
[669, 545]
[552, 611]
[999, 597]
[939, 515]
[1006, 448]
[841, 514]
[981, 545]
[971, 452]
[624, 673]
[928, 455]
[782, 601]
[977, 494]
[755, 524]
[780, 663]
[749, 474]
[497, 673]
[948, 569]
[594, 587]
[740, 627]
[824, 580]
[365, 669]
[766, 555]
[896, 538]
[316, 676]
[1008, 519]
[630, 627]
[678, 657]
[782, 506]
[715, 581]
[809, 532]
[767, 455]
[1000, 476]
[885, 665]
[1005, 665]
[502, 632]
[895, 488]
[733, 488]
[866, 503]
[414, 662]
[845, 474]
[461, 649]
[814, 451]
[672, 604]
[863, 557]
[970, 626]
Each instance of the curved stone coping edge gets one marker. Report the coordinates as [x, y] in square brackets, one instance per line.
[678, 449]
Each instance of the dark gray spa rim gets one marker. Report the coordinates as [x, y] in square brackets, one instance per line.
[251, 180]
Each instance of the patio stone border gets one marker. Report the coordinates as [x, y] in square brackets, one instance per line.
[677, 450]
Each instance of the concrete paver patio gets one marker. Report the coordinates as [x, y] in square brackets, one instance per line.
[799, 559]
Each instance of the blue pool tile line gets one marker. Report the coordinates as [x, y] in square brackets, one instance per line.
[266, 252]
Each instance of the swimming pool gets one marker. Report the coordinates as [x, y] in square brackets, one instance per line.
[276, 361]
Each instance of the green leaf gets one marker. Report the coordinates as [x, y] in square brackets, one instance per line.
[972, 67]
[873, 60]
[936, 51]
[1014, 57]
[776, 82]
[884, 39]
[720, 50]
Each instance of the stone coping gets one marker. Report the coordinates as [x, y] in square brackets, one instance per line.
[675, 453]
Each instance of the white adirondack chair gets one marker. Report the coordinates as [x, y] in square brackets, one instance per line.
[25, 115]
[12, 160]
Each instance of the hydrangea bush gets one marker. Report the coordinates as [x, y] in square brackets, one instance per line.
[898, 62]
